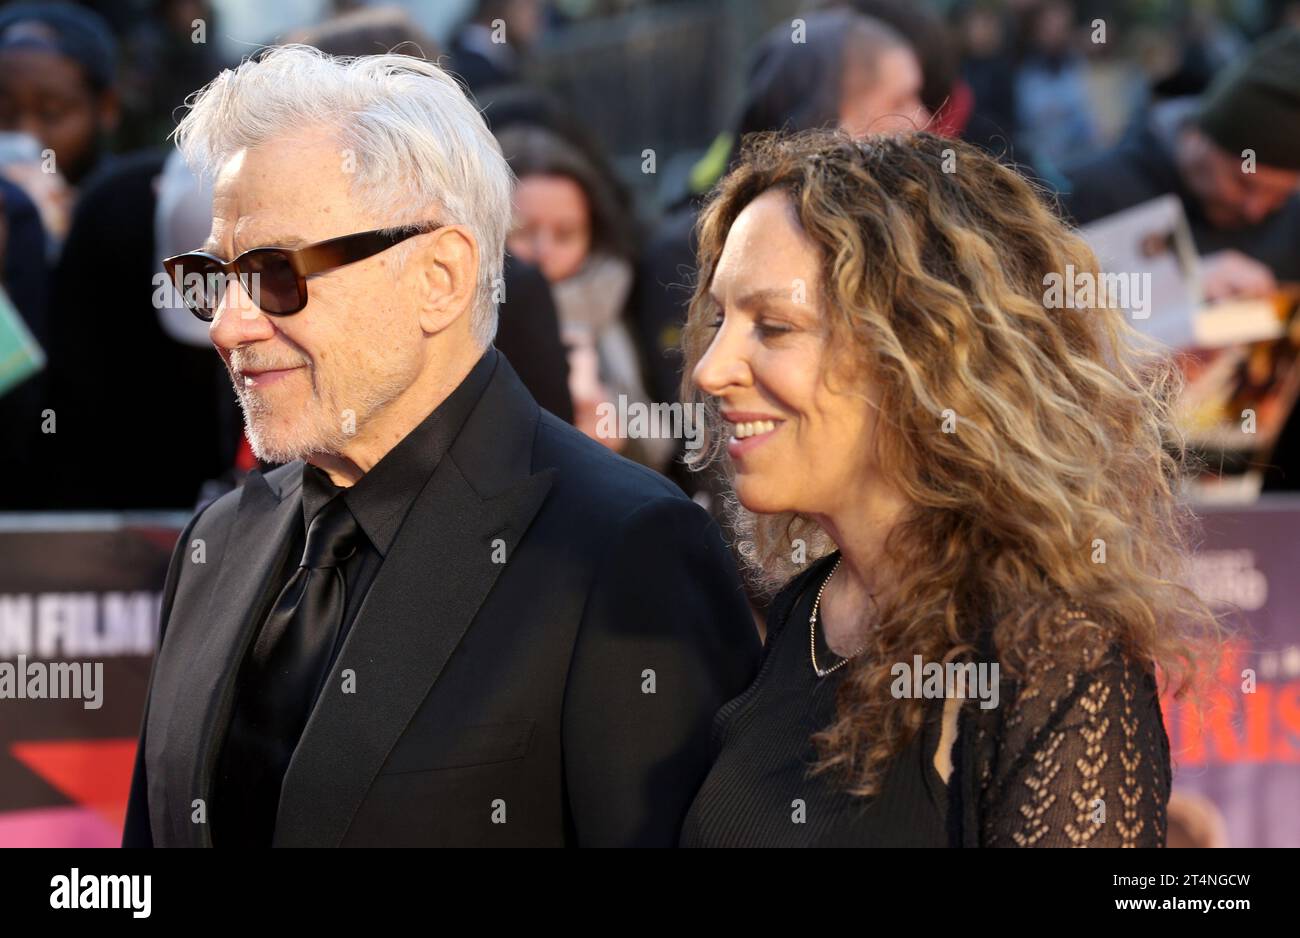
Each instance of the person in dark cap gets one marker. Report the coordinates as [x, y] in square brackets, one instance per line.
[1233, 158]
[57, 81]
[1254, 107]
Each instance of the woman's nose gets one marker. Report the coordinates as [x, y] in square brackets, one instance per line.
[723, 365]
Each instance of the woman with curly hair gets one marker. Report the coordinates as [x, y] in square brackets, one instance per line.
[937, 471]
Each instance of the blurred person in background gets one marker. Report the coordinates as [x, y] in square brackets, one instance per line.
[944, 91]
[1244, 213]
[57, 66]
[1053, 107]
[105, 295]
[989, 68]
[488, 49]
[1207, 44]
[528, 107]
[106, 308]
[370, 30]
[850, 71]
[166, 55]
[24, 277]
[22, 257]
[57, 87]
[1232, 156]
[568, 223]
[505, 106]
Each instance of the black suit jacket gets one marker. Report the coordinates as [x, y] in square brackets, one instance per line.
[494, 703]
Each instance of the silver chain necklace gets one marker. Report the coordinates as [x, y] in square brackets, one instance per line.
[812, 628]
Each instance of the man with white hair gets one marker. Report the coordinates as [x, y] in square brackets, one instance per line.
[449, 618]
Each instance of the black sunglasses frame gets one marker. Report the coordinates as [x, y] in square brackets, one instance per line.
[305, 261]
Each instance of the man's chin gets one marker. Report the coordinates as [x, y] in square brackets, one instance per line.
[278, 444]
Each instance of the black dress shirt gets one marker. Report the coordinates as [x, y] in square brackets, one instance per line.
[246, 798]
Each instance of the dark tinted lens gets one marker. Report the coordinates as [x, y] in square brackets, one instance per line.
[270, 282]
[200, 282]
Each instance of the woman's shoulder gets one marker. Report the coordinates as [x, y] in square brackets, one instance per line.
[1078, 732]
[1056, 644]
[1071, 645]
[1071, 675]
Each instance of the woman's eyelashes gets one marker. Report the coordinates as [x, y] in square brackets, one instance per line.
[766, 328]
[769, 329]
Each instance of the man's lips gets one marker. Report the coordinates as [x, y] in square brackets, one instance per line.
[264, 378]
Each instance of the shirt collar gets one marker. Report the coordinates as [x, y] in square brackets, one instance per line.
[381, 498]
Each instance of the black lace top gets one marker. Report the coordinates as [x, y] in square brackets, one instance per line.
[1075, 754]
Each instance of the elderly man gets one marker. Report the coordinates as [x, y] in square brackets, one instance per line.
[449, 618]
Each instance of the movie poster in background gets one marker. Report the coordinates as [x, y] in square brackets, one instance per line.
[80, 590]
[1237, 762]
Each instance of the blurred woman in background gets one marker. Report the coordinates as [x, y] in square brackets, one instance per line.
[569, 224]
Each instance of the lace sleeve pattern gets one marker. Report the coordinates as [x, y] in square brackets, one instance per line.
[1075, 755]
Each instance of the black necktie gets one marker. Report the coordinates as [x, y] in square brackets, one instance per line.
[289, 660]
[281, 679]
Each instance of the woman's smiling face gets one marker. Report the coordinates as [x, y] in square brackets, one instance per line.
[798, 417]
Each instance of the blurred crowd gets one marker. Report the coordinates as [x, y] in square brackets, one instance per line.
[1106, 104]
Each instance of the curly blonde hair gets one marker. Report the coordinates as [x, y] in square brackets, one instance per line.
[934, 259]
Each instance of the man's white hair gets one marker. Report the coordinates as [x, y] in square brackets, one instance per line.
[421, 150]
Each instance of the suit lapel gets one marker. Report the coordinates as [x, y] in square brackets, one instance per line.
[431, 585]
[201, 712]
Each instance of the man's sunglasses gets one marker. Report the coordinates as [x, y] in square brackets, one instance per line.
[275, 278]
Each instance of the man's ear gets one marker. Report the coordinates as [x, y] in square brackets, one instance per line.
[445, 270]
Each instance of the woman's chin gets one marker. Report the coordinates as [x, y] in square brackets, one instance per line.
[762, 499]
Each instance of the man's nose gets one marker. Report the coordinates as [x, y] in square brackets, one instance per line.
[238, 321]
